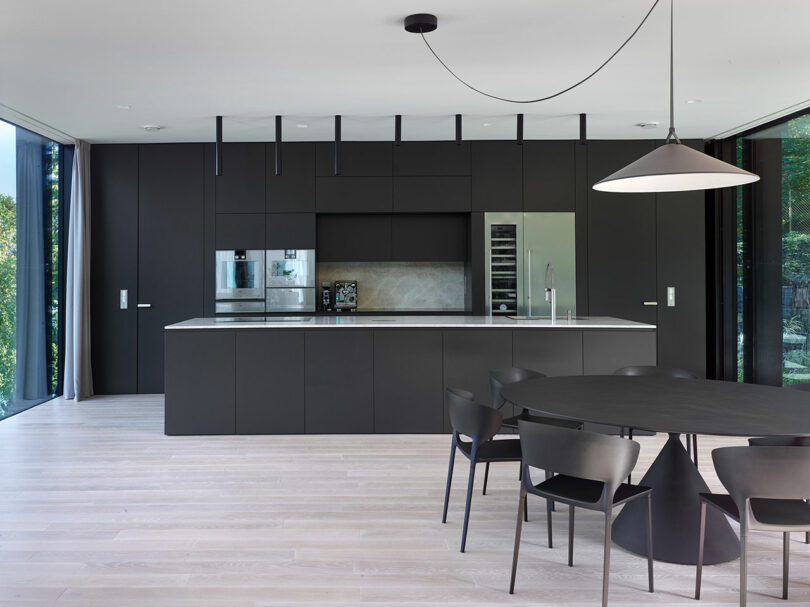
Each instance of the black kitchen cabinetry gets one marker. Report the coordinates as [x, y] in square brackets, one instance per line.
[114, 266]
[431, 194]
[353, 195]
[604, 352]
[291, 231]
[621, 238]
[354, 238]
[549, 175]
[426, 158]
[294, 189]
[270, 394]
[170, 249]
[241, 187]
[357, 159]
[436, 237]
[497, 176]
[408, 381]
[339, 382]
[469, 356]
[239, 231]
[200, 382]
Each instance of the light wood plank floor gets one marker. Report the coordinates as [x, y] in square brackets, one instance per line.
[99, 508]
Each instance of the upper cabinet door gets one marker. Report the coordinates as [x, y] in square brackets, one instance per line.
[432, 194]
[294, 189]
[357, 159]
[240, 188]
[353, 194]
[291, 231]
[434, 237]
[417, 158]
[549, 175]
[497, 176]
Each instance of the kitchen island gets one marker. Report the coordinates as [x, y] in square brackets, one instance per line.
[369, 374]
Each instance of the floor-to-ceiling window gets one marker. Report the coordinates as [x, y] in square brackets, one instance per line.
[31, 194]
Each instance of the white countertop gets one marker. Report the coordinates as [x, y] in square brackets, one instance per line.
[413, 321]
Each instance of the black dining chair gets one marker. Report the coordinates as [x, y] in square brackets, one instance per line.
[480, 423]
[653, 371]
[590, 468]
[767, 487]
[498, 378]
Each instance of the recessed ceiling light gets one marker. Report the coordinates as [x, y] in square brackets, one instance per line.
[122, 106]
[690, 101]
[486, 124]
[151, 128]
[650, 124]
[301, 125]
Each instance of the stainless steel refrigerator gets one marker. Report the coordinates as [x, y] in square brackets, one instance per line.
[526, 253]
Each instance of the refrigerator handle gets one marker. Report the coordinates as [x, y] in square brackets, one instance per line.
[528, 282]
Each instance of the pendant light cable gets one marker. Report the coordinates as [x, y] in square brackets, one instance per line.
[573, 86]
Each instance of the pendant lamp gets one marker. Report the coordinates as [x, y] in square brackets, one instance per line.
[674, 167]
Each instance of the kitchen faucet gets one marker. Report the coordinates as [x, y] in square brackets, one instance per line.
[551, 292]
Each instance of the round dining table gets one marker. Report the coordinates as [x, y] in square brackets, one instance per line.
[675, 407]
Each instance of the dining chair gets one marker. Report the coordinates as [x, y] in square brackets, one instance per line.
[590, 468]
[498, 378]
[654, 371]
[766, 487]
[480, 423]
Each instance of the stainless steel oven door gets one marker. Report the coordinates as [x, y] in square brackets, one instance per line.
[290, 300]
[240, 274]
[290, 268]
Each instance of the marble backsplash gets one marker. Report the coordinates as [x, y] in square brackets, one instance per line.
[400, 285]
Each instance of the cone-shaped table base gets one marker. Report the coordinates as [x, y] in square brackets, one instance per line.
[676, 484]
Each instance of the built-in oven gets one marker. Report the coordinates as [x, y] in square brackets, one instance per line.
[290, 280]
[240, 281]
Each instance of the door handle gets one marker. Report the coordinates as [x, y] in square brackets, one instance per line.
[144, 305]
[649, 303]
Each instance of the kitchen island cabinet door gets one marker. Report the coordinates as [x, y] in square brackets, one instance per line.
[339, 382]
[408, 382]
[200, 382]
[270, 382]
[469, 356]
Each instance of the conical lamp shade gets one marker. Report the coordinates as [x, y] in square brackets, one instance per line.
[674, 167]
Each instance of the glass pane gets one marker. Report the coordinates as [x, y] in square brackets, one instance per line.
[740, 263]
[29, 241]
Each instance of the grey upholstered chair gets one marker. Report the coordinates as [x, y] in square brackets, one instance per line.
[590, 470]
[767, 487]
[653, 371]
[480, 423]
[498, 378]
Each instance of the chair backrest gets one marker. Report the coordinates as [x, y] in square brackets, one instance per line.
[467, 417]
[763, 472]
[588, 455]
[799, 387]
[653, 371]
[498, 378]
[780, 441]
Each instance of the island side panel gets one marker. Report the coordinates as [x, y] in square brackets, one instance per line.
[339, 381]
[607, 351]
[270, 380]
[200, 382]
[408, 381]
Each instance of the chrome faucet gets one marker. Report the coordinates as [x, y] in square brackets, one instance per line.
[551, 292]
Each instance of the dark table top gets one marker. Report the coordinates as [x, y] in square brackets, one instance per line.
[684, 406]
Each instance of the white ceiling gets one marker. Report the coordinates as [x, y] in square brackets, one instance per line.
[178, 63]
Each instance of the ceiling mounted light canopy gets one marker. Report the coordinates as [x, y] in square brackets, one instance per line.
[674, 167]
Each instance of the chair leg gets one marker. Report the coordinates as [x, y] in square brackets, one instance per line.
[571, 535]
[689, 445]
[518, 528]
[449, 478]
[470, 482]
[486, 476]
[526, 507]
[807, 537]
[630, 436]
[606, 566]
[743, 567]
[701, 541]
[548, 522]
[694, 450]
[553, 505]
[650, 581]
[785, 563]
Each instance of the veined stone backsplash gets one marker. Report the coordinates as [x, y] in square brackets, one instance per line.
[400, 285]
